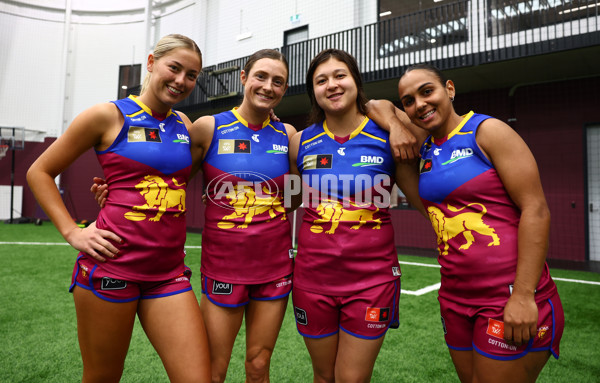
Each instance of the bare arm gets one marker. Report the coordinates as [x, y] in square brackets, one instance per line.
[405, 137]
[407, 179]
[518, 171]
[90, 129]
[201, 134]
[293, 195]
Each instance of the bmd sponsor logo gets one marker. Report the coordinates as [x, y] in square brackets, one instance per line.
[369, 161]
[278, 149]
[459, 154]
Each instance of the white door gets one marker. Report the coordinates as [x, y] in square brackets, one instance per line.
[593, 162]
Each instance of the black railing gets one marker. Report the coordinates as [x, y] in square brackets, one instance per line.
[460, 34]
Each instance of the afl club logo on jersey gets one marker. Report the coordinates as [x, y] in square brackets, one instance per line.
[317, 161]
[234, 146]
[139, 134]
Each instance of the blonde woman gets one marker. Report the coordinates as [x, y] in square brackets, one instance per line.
[132, 260]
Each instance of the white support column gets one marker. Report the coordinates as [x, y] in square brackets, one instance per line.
[65, 66]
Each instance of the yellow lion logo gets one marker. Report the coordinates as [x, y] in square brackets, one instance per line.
[333, 211]
[447, 228]
[247, 205]
[158, 195]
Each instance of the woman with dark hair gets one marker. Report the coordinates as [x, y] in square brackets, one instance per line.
[480, 187]
[346, 275]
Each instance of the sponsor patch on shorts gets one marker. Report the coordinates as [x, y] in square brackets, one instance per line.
[112, 284]
[377, 314]
[222, 288]
[300, 316]
[495, 328]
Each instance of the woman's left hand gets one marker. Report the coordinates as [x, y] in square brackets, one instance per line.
[520, 319]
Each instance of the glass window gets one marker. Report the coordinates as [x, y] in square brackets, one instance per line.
[129, 78]
[509, 16]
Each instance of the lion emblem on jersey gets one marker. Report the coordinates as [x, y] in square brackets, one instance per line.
[466, 223]
[158, 195]
[333, 211]
[247, 205]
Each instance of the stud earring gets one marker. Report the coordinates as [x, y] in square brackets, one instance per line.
[451, 99]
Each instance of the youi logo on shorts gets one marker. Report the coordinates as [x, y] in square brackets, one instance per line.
[300, 316]
[112, 284]
[459, 154]
[222, 288]
[369, 161]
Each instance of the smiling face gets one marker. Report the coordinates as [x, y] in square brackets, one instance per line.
[334, 87]
[173, 78]
[426, 100]
[264, 84]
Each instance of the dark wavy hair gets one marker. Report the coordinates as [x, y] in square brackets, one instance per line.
[316, 113]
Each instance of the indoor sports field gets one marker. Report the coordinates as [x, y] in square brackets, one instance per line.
[39, 340]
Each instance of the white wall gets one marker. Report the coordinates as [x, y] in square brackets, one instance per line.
[30, 67]
[106, 34]
[266, 21]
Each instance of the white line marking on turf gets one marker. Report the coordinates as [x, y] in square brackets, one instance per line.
[419, 264]
[422, 291]
[576, 281]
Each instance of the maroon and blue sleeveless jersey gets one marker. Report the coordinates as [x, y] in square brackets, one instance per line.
[147, 169]
[475, 220]
[346, 240]
[247, 236]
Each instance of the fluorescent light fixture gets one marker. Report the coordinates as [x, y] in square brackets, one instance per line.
[437, 1]
[386, 13]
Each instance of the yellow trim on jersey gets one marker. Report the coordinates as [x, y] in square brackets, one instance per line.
[456, 130]
[314, 138]
[354, 133]
[374, 137]
[224, 126]
[277, 130]
[144, 107]
[239, 117]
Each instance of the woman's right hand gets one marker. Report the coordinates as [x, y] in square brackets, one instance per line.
[100, 190]
[93, 241]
